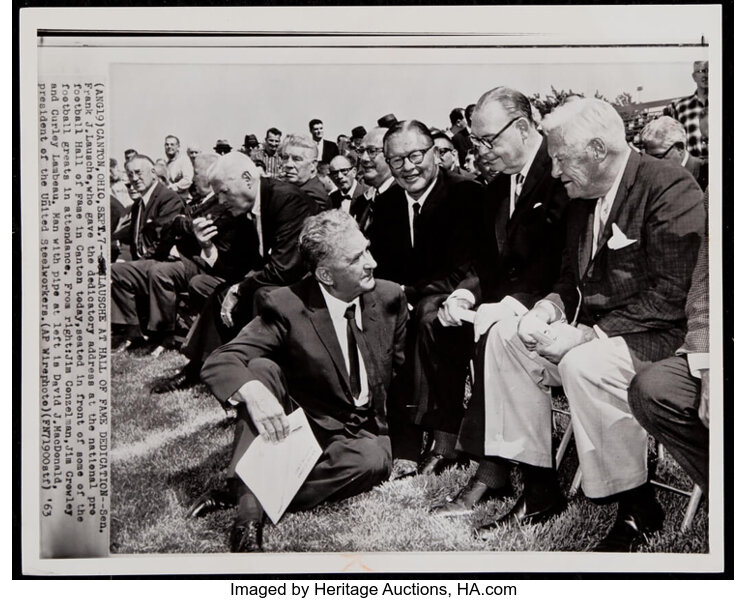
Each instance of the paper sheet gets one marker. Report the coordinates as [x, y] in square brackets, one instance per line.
[274, 471]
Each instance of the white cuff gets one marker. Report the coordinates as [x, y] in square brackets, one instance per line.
[600, 334]
[462, 294]
[210, 254]
[698, 361]
[519, 309]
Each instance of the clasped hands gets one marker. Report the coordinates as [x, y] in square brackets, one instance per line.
[551, 340]
[264, 409]
[486, 314]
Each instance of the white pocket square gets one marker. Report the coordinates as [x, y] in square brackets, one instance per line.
[619, 239]
[536, 205]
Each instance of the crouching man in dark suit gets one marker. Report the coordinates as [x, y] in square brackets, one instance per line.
[328, 344]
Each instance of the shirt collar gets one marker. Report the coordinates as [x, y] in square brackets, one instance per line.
[351, 191]
[337, 307]
[146, 196]
[609, 197]
[256, 209]
[684, 158]
[421, 200]
[532, 155]
[386, 185]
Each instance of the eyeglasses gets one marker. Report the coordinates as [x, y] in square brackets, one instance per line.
[444, 151]
[662, 154]
[488, 143]
[372, 150]
[701, 71]
[340, 172]
[415, 157]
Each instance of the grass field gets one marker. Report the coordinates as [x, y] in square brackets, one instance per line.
[169, 449]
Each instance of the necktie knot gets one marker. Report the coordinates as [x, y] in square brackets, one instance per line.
[416, 209]
[350, 312]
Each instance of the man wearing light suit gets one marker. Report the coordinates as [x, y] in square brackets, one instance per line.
[329, 345]
[634, 229]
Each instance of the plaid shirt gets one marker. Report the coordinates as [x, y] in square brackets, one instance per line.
[272, 163]
[687, 111]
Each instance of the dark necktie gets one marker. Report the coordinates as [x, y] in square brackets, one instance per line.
[517, 192]
[355, 373]
[415, 213]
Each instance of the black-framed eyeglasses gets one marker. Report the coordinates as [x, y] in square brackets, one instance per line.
[372, 150]
[415, 157]
[340, 171]
[443, 151]
[662, 154]
[488, 143]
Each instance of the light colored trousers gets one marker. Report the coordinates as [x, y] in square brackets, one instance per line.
[611, 445]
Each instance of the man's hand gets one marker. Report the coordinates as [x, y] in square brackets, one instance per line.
[487, 314]
[446, 312]
[704, 408]
[533, 326]
[265, 410]
[204, 230]
[564, 338]
[229, 303]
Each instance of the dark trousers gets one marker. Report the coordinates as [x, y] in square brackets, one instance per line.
[166, 281]
[209, 332]
[664, 397]
[440, 365]
[351, 462]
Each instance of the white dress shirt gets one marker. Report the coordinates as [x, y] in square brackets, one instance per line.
[336, 308]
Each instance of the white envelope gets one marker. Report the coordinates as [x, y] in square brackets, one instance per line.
[619, 240]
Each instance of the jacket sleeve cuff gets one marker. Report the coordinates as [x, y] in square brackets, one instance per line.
[698, 361]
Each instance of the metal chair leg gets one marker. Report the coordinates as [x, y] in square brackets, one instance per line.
[692, 508]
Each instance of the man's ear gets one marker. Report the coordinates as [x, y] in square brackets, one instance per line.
[598, 149]
[323, 275]
[246, 176]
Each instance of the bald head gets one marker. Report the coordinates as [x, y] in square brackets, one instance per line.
[202, 164]
[235, 180]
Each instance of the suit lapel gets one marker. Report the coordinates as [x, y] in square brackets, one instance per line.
[627, 181]
[322, 323]
[503, 190]
[537, 171]
[584, 239]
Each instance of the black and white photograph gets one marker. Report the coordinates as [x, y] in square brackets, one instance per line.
[375, 290]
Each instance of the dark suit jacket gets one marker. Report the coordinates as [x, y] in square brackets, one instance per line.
[237, 242]
[295, 331]
[637, 291]
[462, 144]
[329, 151]
[315, 190]
[521, 256]
[163, 206]
[445, 240]
[359, 205]
[283, 210]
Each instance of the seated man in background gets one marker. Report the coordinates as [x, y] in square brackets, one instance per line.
[299, 166]
[328, 344]
[521, 240]
[665, 138]
[213, 247]
[350, 195]
[179, 167]
[277, 211]
[375, 172]
[150, 216]
[634, 229]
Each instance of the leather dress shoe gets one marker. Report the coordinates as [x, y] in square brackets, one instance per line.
[472, 494]
[630, 529]
[183, 380]
[211, 501]
[131, 345]
[247, 536]
[435, 464]
[523, 514]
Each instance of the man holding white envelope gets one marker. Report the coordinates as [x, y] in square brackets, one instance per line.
[634, 229]
[328, 344]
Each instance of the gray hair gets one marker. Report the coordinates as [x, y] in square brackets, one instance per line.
[513, 102]
[585, 119]
[664, 131]
[322, 235]
[231, 166]
[300, 141]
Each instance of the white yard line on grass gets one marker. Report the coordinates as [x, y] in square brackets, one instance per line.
[160, 438]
